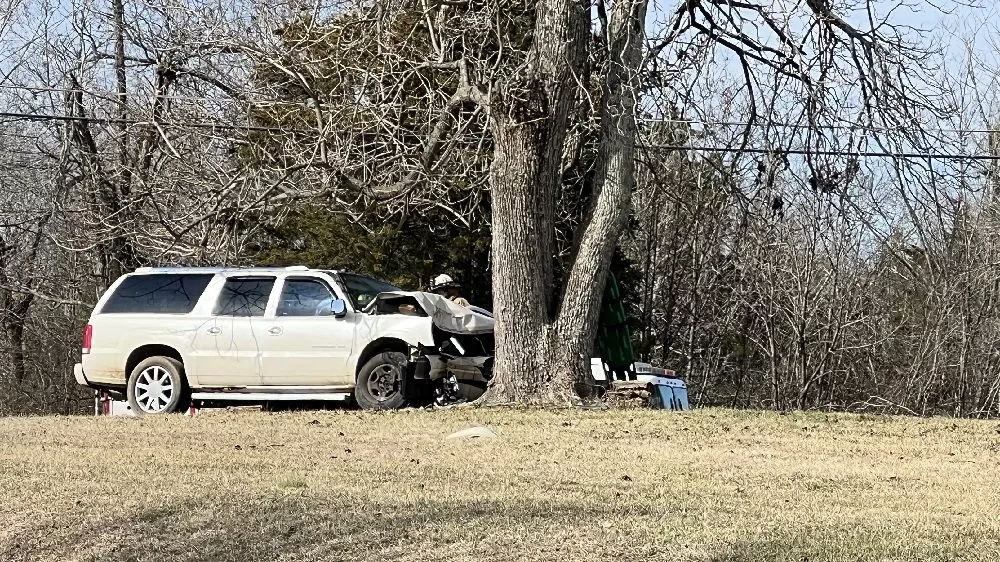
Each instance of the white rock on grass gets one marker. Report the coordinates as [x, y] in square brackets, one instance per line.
[473, 432]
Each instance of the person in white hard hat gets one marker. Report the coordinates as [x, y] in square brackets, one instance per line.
[447, 287]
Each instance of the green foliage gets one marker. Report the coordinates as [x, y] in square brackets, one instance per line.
[407, 255]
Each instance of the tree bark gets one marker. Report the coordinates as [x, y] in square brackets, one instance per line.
[15, 305]
[529, 119]
[15, 319]
[121, 88]
[576, 325]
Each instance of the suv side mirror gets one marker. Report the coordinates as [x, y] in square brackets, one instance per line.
[339, 308]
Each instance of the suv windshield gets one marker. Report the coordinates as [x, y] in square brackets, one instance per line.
[363, 289]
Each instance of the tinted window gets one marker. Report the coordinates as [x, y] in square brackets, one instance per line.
[363, 289]
[169, 293]
[305, 297]
[244, 296]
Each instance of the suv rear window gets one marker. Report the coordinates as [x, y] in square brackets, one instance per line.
[167, 293]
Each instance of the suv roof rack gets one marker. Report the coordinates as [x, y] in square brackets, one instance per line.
[219, 269]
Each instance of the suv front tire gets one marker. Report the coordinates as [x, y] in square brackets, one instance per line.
[157, 386]
[381, 383]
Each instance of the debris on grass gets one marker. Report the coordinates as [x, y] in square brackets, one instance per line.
[473, 433]
[628, 395]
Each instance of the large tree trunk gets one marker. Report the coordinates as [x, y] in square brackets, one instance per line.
[529, 120]
[542, 357]
[615, 178]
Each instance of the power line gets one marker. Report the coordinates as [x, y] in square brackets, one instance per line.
[707, 123]
[724, 149]
[116, 121]
[111, 95]
[804, 152]
[857, 128]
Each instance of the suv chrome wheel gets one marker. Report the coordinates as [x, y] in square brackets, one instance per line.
[154, 389]
[157, 386]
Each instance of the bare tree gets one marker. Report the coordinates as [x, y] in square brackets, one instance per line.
[776, 268]
[543, 342]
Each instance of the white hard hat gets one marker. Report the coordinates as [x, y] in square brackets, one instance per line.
[442, 281]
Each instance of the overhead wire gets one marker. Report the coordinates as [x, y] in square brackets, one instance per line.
[685, 121]
[112, 94]
[119, 121]
[906, 155]
[831, 127]
[803, 152]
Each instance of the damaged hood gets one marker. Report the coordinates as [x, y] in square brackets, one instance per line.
[444, 313]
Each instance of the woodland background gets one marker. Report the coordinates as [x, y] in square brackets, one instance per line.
[774, 259]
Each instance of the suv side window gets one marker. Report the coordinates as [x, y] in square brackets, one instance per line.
[305, 297]
[244, 296]
[162, 293]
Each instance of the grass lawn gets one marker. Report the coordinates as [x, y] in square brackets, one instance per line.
[709, 485]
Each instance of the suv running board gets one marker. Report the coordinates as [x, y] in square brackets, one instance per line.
[263, 396]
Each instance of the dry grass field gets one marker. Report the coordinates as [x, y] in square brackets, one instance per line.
[710, 485]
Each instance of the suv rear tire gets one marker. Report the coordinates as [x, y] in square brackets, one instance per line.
[157, 386]
[381, 382]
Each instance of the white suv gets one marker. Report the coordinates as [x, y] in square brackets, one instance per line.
[166, 336]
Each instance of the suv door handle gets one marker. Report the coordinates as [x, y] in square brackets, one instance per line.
[214, 330]
[274, 331]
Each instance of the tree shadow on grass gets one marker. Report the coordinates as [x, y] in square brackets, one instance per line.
[301, 527]
[842, 544]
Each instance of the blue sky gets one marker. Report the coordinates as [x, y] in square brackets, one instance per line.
[966, 32]
[951, 25]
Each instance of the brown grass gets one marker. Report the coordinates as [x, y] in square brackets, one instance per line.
[711, 485]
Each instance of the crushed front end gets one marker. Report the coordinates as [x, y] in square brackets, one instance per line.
[458, 365]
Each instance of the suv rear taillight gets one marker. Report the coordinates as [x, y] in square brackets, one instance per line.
[88, 333]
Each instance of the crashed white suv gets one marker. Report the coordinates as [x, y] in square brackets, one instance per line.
[166, 336]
